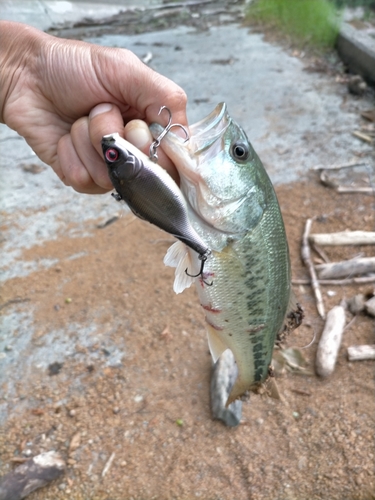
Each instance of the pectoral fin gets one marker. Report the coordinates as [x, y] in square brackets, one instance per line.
[178, 256]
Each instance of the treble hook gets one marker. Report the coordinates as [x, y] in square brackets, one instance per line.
[154, 145]
[202, 258]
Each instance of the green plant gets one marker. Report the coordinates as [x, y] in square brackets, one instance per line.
[311, 22]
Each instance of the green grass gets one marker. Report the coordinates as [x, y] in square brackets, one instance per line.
[308, 22]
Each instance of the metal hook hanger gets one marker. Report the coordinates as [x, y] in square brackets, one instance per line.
[154, 145]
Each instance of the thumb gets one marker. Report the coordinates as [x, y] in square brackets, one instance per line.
[104, 119]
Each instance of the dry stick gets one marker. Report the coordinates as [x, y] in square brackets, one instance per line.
[330, 341]
[363, 137]
[108, 464]
[31, 475]
[306, 257]
[344, 238]
[327, 181]
[348, 281]
[364, 190]
[354, 163]
[332, 270]
[361, 352]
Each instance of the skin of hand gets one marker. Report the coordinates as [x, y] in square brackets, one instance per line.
[62, 96]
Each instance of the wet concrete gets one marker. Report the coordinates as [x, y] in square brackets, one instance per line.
[295, 119]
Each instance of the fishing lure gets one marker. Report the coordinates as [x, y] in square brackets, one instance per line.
[150, 192]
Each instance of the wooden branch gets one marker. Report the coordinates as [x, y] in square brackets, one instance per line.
[364, 265]
[330, 341]
[361, 352]
[348, 281]
[344, 238]
[306, 257]
[31, 475]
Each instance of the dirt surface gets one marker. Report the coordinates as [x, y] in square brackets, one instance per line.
[101, 361]
[148, 401]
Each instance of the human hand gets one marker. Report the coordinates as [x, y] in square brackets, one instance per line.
[49, 86]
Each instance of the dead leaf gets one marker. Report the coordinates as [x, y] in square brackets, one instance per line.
[166, 334]
[293, 360]
[37, 411]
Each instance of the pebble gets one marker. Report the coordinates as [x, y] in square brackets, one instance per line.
[370, 306]
[116, 410]
[356, 304]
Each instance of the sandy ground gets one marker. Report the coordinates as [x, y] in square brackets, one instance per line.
[139, 384]
[98, 356]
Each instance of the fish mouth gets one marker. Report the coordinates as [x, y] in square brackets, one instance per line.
[200, 147]
[207, 131]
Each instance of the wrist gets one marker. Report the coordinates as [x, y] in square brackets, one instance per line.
[19, 53]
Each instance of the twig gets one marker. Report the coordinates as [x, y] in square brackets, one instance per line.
[320, 251]
[348, 281]
[35, 473]
[301, 393]
[344, 238]
[176, 5]
[363, 137]
[108, 464]
[327, 181]
[346, 189]
[330, 341]
[345, 268]
[361, 352]
[354, 163]
[306, 257]
[17, 300]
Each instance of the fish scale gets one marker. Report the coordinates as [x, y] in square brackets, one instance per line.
[249, 290]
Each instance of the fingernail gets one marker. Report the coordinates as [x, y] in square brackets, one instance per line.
[138, 134]
[99, 109]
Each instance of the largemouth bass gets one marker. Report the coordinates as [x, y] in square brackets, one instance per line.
[245, 289]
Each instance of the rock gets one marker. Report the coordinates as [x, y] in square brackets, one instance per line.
[370, 306]
[223, 376]
[356, 304]
[357, 85]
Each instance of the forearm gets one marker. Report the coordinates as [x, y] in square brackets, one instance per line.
[19, 47]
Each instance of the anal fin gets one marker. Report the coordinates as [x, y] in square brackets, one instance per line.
[216, 345]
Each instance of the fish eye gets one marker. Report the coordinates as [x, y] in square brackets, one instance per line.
[111, 154]
[240, 151]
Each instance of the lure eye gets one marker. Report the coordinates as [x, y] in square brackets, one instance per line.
[240, 151]
[111, 154]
